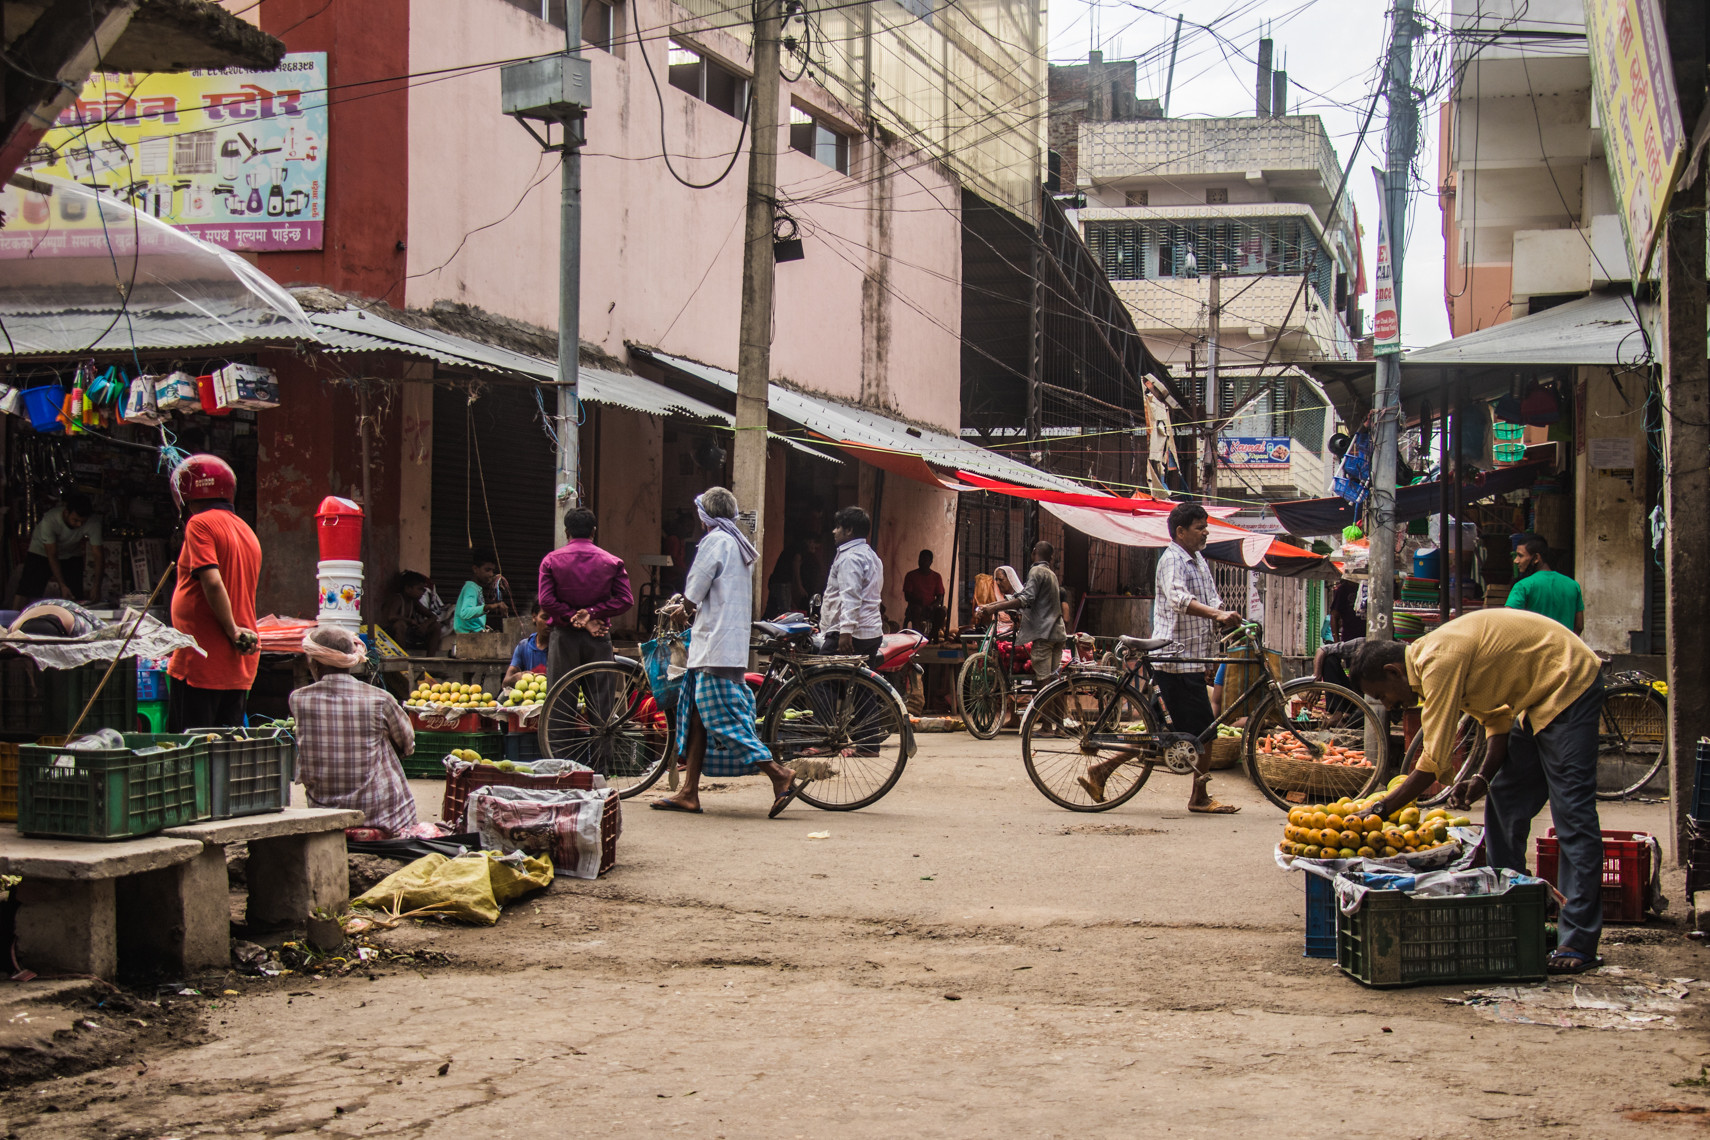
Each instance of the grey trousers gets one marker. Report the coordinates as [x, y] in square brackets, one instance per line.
[1557, 766]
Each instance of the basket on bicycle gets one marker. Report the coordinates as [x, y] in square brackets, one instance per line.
[1326, 781]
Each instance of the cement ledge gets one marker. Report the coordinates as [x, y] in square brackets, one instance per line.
[89, 859]
[272, 825]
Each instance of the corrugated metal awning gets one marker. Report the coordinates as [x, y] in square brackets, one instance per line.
[870, 435]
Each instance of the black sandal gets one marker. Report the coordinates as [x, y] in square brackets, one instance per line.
[1566, 960]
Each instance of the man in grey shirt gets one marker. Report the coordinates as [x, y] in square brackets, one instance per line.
[1041, 620]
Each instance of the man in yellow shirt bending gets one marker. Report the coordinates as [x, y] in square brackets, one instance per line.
[1537, 691]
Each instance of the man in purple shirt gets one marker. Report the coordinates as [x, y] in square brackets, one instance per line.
[581, 589]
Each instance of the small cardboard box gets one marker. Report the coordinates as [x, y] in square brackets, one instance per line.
[176, 392]
[247, 386]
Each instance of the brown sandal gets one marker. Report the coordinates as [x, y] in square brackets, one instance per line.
[1213, 807]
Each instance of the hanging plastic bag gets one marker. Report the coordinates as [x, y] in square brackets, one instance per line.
[139, 405]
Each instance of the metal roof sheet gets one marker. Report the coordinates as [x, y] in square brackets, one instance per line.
[840, 422]
[1600, 328]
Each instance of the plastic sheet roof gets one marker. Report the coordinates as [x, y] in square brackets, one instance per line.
[875, 437]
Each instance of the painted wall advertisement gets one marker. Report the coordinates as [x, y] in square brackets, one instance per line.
[1639, 112]
[235, 157]
[1253, 451]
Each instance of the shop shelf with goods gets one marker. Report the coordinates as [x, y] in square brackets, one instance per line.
[1626, 872]
[1396, 940]
[150, 783]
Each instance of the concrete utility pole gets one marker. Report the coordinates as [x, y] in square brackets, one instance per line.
[1402, 143]
[1686, 438]
[754, 358]
[548, 90]
[1210, 406]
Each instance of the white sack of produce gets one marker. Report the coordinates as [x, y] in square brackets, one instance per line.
[570, 825]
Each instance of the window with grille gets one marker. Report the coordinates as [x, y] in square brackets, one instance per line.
[1217, 195]
[1138, 198]
[1131, 251]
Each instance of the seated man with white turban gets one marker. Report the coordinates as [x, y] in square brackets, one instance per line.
[351, 738]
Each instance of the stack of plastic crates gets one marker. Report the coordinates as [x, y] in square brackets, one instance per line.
[44, 702]
[149, 783]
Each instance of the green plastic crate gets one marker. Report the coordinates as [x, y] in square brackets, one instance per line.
[1394, 940]
[111, 793]
[249, 770]
[431, 747]
[45, 702]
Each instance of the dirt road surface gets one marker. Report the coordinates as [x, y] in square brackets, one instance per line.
[960, 960]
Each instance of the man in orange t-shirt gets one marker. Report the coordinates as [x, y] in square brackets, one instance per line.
[214, 601]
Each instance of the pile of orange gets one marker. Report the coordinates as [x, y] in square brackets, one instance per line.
[1341, 831]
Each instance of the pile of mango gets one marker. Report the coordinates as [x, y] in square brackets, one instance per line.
[1341, 830]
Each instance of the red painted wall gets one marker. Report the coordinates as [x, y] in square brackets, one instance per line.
[368, 54]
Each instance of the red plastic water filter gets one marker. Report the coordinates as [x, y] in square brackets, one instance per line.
[340, 529]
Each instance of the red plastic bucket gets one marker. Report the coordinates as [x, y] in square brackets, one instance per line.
[340, 529]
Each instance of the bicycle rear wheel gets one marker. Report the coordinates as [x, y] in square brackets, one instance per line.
[1324, 716]
[603, 715]
[1632, 740]
[982, 694]
[1060, 749]
[844, 731]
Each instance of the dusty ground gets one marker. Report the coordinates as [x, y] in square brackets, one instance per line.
[960, 960]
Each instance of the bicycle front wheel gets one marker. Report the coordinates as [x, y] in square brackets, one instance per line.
[982, 694]
[603, 714]
[844, 732]
[1632, 740]
[1074, 742]
[1309, 745]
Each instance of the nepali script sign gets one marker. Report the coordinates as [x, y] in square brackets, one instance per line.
[1639, 113]
[1251, 452]
[1386, 306]
[235, 157]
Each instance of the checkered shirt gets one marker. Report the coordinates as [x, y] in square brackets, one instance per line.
[350, 737]
[1184, 578]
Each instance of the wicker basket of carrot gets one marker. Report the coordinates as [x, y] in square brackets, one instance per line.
[1285, 763]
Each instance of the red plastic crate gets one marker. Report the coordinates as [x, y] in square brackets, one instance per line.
[1626, 872]
[461, 722]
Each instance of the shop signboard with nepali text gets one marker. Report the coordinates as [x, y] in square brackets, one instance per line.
[1386, 306]
[235, 157]
[1639, 112]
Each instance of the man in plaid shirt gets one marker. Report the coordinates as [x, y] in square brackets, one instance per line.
[1187, 609]
[351, 737]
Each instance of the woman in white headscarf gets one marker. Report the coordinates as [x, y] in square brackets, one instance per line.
[716, 731]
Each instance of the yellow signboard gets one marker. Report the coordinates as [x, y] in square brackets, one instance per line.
[1638, 110]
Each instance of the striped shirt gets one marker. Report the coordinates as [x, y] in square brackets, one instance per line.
[1184, 578]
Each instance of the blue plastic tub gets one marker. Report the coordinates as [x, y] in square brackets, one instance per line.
[44, 405]
[1320, 918]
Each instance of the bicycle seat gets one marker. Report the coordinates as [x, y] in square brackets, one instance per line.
[771, 629]
[1142, 644]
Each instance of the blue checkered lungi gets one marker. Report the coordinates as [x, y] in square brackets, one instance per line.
[726, 708]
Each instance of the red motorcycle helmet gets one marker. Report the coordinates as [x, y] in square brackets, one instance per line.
[202, 477]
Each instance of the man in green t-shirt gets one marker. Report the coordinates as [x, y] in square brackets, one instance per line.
[1543, 591]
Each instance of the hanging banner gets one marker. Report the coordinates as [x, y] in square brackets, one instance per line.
[1386, 309]
[1638, 111]
[1252, 452]
[234, 157]
[1160, 441]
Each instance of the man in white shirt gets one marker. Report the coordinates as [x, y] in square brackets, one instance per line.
[849, 619]
[53, 568]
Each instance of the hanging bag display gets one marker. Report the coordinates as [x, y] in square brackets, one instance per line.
[139, 406]
[176, 392]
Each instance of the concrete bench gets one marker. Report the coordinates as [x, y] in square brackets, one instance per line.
[162, 902]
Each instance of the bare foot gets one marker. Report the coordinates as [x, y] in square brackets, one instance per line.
[691, 804]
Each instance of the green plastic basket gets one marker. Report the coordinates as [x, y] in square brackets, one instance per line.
[45, 702]
[1508, 452]
[431, 747]
[111, 793]
[1394, 940]
[1508, 433]
[249, 770]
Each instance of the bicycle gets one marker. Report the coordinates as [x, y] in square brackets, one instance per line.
[1112, 719]
[837, 722]
[1632, 741]
[988, 683]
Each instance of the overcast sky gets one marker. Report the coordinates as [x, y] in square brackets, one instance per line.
[1333, 50]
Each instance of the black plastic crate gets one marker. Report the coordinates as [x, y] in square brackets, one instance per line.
[47, 702]
[249, 769]
[522, 747]
[111, 793]
[431, 748]
[1320, 918]
[1701, 785]
[1394, 940]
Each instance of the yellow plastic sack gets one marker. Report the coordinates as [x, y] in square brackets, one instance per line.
[470, 888]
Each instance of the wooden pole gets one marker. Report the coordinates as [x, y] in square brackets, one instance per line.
[171, 568]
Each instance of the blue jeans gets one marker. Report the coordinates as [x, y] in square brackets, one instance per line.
[1558, 766]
